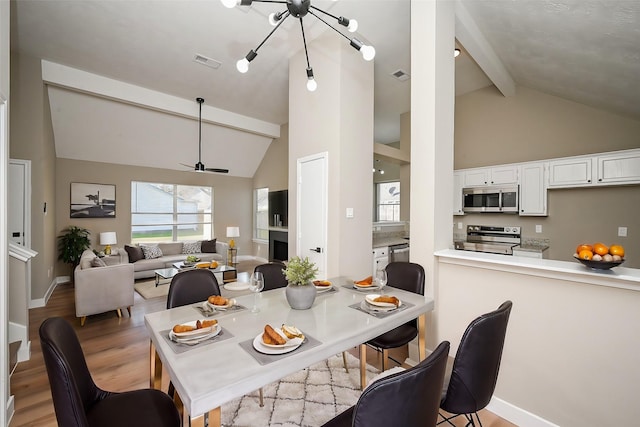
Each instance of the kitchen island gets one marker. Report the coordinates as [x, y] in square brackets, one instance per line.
[570, 355]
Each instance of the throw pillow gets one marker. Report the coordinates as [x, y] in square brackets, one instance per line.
[97, 262]
[191, 247]
[135, 253]
[151, 251]
[208, 246]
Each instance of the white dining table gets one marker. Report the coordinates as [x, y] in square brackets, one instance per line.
[208, 376]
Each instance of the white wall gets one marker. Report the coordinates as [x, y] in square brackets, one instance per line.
[571, 352]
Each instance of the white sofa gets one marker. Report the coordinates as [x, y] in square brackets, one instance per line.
[172, 252]
[99, 289]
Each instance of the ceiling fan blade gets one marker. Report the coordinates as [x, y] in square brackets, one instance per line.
[217, 170]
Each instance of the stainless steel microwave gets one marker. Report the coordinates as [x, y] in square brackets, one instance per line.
[490, 199]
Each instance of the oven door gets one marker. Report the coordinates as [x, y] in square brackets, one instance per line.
[399, 253]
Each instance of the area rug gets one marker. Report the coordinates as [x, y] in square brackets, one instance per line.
[148, 288]
[308, 398]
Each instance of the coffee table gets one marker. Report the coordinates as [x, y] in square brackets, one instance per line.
[165, 273]
[228, 273]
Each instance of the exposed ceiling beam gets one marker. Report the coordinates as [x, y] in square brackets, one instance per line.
[82, 81]
[474, 42]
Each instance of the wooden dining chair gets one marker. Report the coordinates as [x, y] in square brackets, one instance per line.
[79, 402]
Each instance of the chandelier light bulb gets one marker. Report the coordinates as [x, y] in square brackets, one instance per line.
[368, 52]
[312, 85]
[456, 52]
[230, 3]
[374, 170]
[274, 18]
[242, 65]
[381, 172]
[353, 25]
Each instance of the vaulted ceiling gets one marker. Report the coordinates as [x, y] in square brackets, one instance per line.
[123, 80]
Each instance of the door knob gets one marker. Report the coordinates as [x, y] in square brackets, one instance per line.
[318, 250]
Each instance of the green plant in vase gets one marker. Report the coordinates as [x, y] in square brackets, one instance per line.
[300, 291]
[71, 244]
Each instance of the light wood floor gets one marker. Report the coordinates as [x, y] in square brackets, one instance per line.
[117, 353]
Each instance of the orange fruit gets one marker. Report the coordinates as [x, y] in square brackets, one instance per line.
[583, 247]
[616, 250]
[585, 254]
[600, 249]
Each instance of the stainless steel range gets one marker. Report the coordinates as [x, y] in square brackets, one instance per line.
[489, 238]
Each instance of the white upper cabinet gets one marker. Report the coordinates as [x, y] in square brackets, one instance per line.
[570, 172]
[498, 175]
[619, 168]
[533, 189]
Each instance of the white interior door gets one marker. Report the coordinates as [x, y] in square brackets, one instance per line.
[312, 210]
[19, 201]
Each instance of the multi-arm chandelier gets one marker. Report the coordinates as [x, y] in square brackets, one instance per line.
[299, 9]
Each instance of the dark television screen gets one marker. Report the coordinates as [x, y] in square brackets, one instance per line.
[278, 208]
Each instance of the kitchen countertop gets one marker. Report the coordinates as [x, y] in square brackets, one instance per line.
[381, 242]
[618, 277]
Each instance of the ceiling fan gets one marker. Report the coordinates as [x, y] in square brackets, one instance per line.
[199, 167]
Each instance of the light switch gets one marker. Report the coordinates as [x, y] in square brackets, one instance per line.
[538, 228]
[622, 231]
[459, 226]
[349, 212]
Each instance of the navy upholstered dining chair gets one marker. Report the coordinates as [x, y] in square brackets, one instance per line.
[409, 277]
[79, 402]
[409, 398]
[473, 378]
[191, 286]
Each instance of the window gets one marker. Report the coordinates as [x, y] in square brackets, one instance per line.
[388, 201]
[170, 212]
[261, 214]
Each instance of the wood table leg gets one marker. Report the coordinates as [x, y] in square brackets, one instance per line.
[363, 366]
[422, 331]
[155, 380]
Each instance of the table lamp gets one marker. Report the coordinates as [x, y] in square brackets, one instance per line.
[107, 239]
[231, 233]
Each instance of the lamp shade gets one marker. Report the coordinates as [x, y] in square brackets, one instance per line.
[233, 231]
[108, 238]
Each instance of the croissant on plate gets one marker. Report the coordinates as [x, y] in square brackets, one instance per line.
[270, 336]
[218, 300]
[388, 299]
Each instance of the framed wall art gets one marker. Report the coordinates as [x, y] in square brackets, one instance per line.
[93, 200]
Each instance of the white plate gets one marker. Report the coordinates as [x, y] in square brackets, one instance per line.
[195, 333]
[236, 286]
[371, 297]
[372, 308]
[215, 330]
[276, 349]
[323, 288]
[366, 288]
[231, 303]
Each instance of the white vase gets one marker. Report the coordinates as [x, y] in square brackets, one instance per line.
[300, 297]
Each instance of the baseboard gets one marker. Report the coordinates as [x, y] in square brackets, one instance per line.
[515, 415]
[42, 302]
[18, 332]
[10, 409]
[503, 409]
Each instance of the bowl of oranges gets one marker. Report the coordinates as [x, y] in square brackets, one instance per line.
[600, 256]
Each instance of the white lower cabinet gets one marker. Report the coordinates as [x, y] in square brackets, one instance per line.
[533, 189]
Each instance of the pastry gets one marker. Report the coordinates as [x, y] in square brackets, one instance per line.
[292, 332]
[322, 283]
[368, 281]
[183, 328]
[388, 299]
[218, 300]
[270, 336]
[205, 323]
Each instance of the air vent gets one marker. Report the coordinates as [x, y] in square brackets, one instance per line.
[212, 63]
[400, 75]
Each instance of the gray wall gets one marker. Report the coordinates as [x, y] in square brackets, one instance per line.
[491, 129]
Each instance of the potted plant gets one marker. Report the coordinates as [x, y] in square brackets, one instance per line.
[71, 244]
[300, 291]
